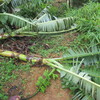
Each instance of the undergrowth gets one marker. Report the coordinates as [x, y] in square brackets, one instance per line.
[44, 81]
[49, 45]
[7, 69]
[88, 21]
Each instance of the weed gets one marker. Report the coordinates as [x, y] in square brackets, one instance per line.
[7, 68]
[44, 82]
[49, 45]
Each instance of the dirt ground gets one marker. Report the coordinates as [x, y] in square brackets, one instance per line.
[53, 92]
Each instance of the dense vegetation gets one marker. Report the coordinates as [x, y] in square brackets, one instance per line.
[88, 23]
[79, 68]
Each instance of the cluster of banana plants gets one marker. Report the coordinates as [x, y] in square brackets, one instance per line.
[86, 82]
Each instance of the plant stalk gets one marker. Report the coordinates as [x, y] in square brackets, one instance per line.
[19, 56]
[70, 72]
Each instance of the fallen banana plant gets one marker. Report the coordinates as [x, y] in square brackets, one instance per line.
[91, 55]
[6, 35]
[43, 26]
[19, 56]
[81, 79]
[77, 78]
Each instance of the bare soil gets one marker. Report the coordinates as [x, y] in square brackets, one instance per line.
[53, 92]
[27, 88]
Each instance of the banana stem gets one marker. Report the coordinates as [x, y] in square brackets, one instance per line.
[6, 35]
[19, 56]
[49, 63]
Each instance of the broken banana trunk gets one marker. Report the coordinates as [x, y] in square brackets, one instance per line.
[20, 56]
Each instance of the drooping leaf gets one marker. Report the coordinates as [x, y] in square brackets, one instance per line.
[56, 25]
[41, 26]
[91, 55]
[83, 80]
[20, 21]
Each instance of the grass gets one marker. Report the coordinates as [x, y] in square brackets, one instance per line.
[7, 69]
[49, 45]
[88, 23]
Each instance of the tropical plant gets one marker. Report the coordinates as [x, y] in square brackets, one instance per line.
[16, 3]
[50, 27]
[77, 75]
[42, 25]
[44, 82]
[84, 84]
[91, 55]
[82, 59]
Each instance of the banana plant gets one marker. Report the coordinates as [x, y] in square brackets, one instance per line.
[7, 5]
[91, 55]
[88, 89]
[43, 26]
[81, 80]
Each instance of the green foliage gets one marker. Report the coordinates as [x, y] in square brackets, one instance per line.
[93, 71]
[10, 5]
[54, 27]
[3, 96]
[91, 55]
[81, 87]
[54, 10]
[89, 71]
[27, 8]
[79, 3]
[87, 75]
[7, 68]
[30, 10]
[88, 23]
[47, 45]
[44, 82]
[9, 20]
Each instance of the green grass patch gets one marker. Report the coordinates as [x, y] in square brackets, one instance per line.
[49, 45]
[88, 22]
[7, 68]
